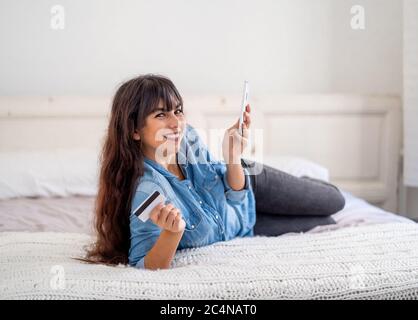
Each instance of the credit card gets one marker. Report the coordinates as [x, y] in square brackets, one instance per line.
[144, 209]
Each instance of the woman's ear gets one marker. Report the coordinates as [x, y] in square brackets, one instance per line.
[136, 136]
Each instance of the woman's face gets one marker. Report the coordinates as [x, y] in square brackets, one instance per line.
[161, 136]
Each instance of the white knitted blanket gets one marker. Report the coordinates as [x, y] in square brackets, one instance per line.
[377, 262]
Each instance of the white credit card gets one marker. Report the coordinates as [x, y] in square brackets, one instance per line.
[144, 209]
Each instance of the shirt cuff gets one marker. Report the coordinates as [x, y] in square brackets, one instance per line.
[237, 195]
[140, 264]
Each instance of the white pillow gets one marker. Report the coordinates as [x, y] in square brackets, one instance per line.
[297, 166]
[67, 172]
[60, 172]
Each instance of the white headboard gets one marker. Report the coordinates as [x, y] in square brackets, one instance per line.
[357, 137]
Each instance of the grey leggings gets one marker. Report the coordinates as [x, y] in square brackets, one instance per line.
[285, 203]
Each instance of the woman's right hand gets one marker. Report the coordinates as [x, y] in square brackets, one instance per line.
[168, 218]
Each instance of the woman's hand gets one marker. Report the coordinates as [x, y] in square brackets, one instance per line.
[234, 143]
[168, 218]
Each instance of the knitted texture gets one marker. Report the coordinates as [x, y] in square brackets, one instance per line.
[367, 262]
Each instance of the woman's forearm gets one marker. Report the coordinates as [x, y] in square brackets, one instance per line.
[235, 176]
[163, 251]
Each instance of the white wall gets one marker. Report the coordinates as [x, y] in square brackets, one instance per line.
[281, 46]
[206, 47]
[410, 99]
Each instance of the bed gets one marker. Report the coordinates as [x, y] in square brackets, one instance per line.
[369, 253]
[47, 201]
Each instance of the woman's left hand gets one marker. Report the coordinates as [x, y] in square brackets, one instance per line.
[234, 143]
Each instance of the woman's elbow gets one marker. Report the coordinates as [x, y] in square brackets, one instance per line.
[156, 265]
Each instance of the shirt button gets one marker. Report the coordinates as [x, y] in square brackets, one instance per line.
[216, 216]
[222, 231]
[192, 226]
[200, 202]
[190, 188]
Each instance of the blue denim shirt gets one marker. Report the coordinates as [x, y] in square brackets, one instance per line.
[211, 209]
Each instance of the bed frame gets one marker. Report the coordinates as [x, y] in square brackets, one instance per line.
[356, 136]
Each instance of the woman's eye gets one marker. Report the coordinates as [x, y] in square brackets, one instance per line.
[161, 115]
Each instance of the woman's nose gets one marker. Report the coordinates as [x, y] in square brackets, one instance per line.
[173, 121]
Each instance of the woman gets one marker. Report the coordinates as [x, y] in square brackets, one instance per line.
[150, 147]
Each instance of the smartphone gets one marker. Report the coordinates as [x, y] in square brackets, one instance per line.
[244, 102]
[144, 209]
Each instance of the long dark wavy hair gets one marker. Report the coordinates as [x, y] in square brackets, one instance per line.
[122, 163]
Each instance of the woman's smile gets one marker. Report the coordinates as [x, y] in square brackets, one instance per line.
[175, 136]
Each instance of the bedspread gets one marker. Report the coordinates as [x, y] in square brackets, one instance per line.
[373, 261]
